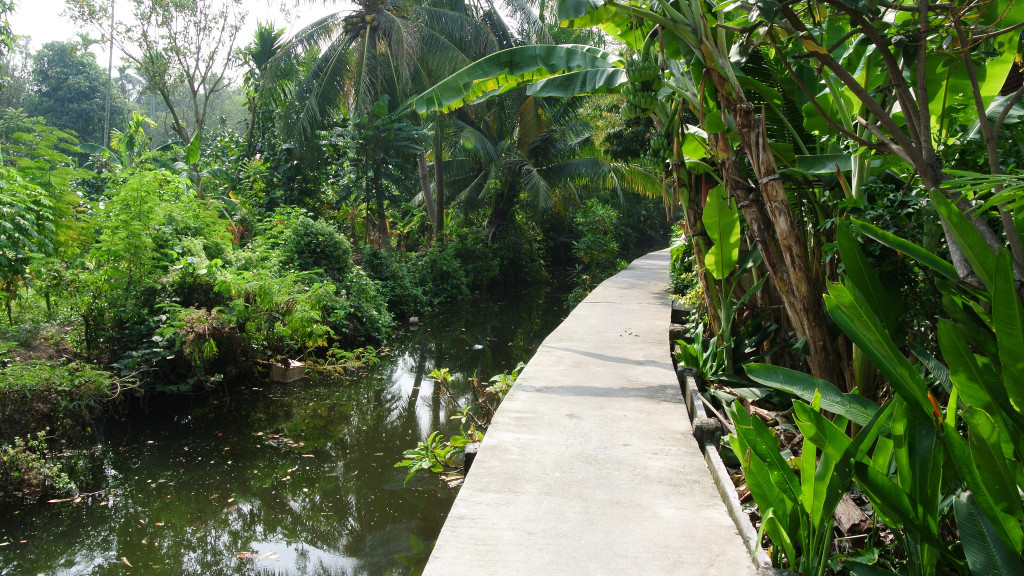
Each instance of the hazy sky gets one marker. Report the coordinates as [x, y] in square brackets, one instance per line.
[42, 21]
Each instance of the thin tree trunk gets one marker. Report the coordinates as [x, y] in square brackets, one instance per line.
[439, 178]
[698, 237]
[428, 195]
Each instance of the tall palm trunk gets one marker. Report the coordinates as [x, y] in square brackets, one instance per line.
[438, 220]
[428, 193]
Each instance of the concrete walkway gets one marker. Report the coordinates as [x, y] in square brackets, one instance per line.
[590, 466]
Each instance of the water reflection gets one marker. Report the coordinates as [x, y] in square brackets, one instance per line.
[282, 479]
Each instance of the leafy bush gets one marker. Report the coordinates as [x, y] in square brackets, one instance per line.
[65, 396]
[368, 317]
[478, 263]
[28, 470]
[518, 248]
[26, 228]
[595, 249]
[312, 245]
[395, 274]
[442, 277]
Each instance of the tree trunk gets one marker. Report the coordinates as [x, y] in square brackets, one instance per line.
[802, 298]
[438, 220]
[428, 194]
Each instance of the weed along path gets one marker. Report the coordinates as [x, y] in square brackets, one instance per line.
[590, 465]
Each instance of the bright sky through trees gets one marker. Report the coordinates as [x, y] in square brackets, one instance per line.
[41, 20]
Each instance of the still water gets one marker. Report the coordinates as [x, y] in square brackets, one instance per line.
[282, 478]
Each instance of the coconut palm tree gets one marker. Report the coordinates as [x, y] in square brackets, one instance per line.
[519, 151]
[398, 48]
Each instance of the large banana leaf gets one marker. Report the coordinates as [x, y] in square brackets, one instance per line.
[631, 31]
[580, 82]
[722, 221]
[514, 67]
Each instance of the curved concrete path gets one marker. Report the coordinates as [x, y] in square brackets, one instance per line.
[590, 466]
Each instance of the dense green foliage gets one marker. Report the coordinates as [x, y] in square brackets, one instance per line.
[134, 268]
[71, 91]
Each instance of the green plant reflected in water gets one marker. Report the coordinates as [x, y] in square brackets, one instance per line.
[282, 478]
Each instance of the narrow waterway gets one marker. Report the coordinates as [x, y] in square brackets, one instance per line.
[282, 478]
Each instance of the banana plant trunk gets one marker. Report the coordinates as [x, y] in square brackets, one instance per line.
[803, 299]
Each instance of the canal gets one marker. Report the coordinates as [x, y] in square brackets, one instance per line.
[292, 479]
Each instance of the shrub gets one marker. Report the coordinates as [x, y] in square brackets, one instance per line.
[596, 249]
[395, 274]
[478, 264]
[312, 245]
[28, 470]
[368, 316]
[442, 277]
[518, 249]
[37, 394]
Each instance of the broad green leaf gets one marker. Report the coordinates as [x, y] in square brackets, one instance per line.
[192, 150]
[625, 28]
[722, 221]
[978, 253]
[987, 554]
[824, 163]
[949, 84]
[852, 406]
[965, 372]
[921, 255]
[848, 308]
[938, 371]
[889, 501]
[597, 81]
[1008, 527]
[90, 148]
[756, 438]
[861, 274]
[511, 68]
[987, 454]
[1008, 318]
